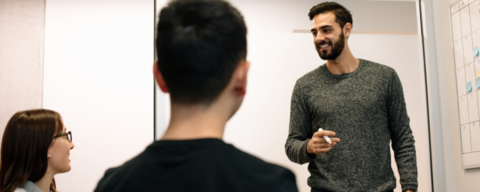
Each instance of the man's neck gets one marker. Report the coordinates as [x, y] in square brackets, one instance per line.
[344, 63]
[196, 122]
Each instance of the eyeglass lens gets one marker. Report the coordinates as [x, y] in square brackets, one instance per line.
[69, 136]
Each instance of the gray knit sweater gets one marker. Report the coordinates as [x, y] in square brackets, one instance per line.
[366, 109]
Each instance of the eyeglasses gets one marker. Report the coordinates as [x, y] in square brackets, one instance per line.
[67, 134]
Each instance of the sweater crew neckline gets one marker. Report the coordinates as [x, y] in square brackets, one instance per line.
[323, 68]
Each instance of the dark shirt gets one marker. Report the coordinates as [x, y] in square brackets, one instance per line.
[196, 165]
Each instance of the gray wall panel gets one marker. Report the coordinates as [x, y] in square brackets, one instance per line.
[22, 29]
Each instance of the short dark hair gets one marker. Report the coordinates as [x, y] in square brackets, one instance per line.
[26, 140]
[342, 15]
[199, 44]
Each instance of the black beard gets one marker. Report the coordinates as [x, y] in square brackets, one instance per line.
[337, 49]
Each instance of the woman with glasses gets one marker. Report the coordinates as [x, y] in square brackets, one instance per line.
[35, 147]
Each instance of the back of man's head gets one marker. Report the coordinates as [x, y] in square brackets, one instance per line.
[199, 44]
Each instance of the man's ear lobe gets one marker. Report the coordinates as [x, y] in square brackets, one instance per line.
[347, 29]
[241, 79]
[159, 78]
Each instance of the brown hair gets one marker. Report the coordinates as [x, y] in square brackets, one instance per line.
[26, 140]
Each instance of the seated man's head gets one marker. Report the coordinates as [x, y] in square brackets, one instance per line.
[201, 48]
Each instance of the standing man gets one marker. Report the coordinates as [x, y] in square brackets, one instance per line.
[201, 48]
[357, 101]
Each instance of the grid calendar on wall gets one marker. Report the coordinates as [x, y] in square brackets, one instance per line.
[465, 26]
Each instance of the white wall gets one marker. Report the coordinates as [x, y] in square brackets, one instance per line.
[279, 57]
[98, 76]
[162, 100]
[275, 69]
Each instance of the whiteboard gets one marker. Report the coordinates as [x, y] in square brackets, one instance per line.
[467, 76]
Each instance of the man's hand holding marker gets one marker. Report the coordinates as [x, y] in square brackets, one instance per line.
[321, 143]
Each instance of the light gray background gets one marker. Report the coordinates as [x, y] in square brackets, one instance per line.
[22, 29]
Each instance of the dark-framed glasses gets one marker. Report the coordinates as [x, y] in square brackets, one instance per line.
[67, 134]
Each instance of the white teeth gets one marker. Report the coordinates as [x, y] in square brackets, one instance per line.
[323, 46]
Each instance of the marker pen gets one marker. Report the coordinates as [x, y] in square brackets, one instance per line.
[326, 137]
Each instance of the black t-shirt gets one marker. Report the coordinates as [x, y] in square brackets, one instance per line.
[196, 165]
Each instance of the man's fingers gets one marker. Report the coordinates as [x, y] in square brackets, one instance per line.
[335, 140]
[319, 150]
[324, 133]
[319, 140]
[319, 145]
[323, 145]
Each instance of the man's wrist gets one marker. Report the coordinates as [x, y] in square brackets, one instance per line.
[309, 155]
[306, 147]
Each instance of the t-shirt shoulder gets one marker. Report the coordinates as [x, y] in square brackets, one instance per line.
[218, 160]
[258, 172]
[254, 163]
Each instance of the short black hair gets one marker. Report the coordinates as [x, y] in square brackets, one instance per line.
[199, 44]
[342, 15]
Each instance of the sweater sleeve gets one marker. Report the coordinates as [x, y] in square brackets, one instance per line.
[403, 143]
[300, 130]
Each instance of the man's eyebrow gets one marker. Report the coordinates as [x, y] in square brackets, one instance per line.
[322, 27]
[325, 26]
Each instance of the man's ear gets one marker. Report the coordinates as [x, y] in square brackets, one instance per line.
[347, 29]
[159, 78]
[240, 75]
